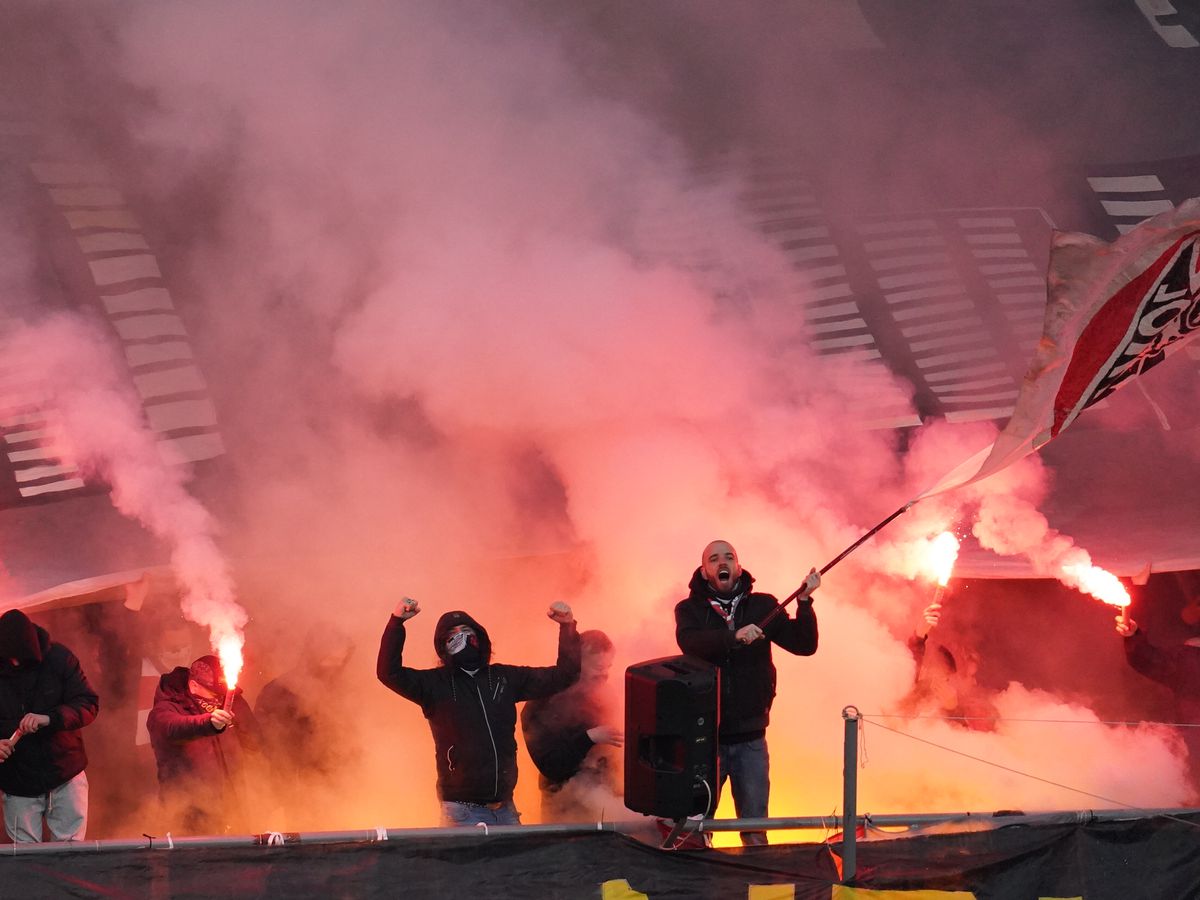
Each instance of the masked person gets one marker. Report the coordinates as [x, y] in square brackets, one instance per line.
[719, 622]
[569, 736]
[471, 705]
[45, 700]
[199, 747]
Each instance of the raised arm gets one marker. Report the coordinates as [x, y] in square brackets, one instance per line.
[412, 684]
[543, 681]
[798, 635]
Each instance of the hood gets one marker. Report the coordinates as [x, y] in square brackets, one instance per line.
[175, 683]
[700, 588]
[21, 639]
[450, 620]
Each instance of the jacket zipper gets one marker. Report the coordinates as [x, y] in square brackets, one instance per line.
[491, 737]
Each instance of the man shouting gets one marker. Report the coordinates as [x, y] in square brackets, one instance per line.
[720, 621]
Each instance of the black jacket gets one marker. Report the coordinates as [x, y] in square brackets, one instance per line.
[556, 731]
[49, 682]
[1177, 668]
[747, 672]
[474, 718]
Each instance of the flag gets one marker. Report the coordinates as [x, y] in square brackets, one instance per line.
[1112, 312]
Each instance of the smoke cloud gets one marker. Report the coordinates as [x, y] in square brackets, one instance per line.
[98, 429]
[488, 327]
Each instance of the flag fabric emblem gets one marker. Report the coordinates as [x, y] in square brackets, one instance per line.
[1113, 312]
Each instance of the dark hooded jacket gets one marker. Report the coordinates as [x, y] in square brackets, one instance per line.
[49, 682]
[197, 764]
[747, 672]
[474, 718]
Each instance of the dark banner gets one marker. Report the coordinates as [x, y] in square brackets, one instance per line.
[1115, 860]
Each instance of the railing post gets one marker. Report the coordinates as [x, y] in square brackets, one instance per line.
[850, 715]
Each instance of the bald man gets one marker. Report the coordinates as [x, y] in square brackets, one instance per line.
[720, 621]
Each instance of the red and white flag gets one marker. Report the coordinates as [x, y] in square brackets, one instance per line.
[1112, 312]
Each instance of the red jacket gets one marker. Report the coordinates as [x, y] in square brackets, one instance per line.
[192, 756]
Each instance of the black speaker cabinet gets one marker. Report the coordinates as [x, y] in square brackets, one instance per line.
[671, 708]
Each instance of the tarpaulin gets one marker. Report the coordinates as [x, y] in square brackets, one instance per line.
[1110, 860]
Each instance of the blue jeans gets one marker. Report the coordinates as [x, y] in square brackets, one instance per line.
[748, 766]
[455, 814]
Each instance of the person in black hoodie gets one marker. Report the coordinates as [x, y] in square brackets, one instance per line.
[720, 622]
[471, 705]
[45, 699]
[199, 750]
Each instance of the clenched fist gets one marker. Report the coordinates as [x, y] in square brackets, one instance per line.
[748, 634]
[221, 719]
[560, 613]
[406, 608]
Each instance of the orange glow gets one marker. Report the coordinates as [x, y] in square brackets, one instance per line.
[1101, 584]
[230, 652]
[943, 552]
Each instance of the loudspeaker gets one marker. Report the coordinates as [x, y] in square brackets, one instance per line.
[671, 708]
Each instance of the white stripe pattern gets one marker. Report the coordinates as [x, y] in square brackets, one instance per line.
[788, 212]
[129, 288]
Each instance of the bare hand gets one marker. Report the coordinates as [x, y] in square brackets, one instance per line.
[932, 614]
[748, 634]
[1125, 627]
[606, 734]
[406, 608]
[560, 613]
[811, 583]
[6, 749]
[32, 722]
[221, 719]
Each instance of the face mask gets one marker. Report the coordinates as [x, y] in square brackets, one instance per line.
[468, 657]
[457, 642]
[463, 647]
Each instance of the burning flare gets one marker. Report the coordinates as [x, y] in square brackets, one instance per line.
[943, 552]
[1100, 583]
[229, 649]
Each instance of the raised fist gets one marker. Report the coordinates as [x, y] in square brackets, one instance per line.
[560, 613]
[406, 608]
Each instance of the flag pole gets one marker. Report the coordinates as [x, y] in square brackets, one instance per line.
[799, 592]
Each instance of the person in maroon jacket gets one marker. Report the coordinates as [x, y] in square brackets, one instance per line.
[199, 747]
[45, 700]
[720, 622]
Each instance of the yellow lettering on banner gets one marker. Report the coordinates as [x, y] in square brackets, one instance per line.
[619, 889]
[771, 892]
[841, 892]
